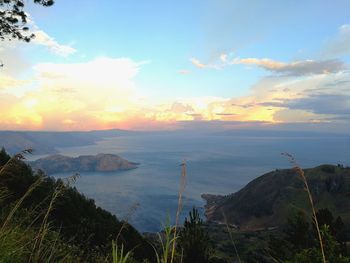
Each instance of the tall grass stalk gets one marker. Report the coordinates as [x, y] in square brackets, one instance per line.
[231, 237]
[301, 173]
[118, 255]
[19, 156]
[179, 206]
[167, 243]
[19, 203]
[130, 213]
[20, 238]
[44, 228]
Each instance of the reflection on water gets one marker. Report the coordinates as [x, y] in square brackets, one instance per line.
[215, 164]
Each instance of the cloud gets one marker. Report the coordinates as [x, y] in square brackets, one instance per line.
[249, 105]
[13, 73]
[294, 116]
[77, 96]
[13, 60]
[281, 98]
[335, 104]
[103, 93]
[201, 65]
[195, 116]
[277, 104]
[181, 107]
[223, 57]
[319, 103]
[184, 71]
[7, 82]
[297, 68]
[98, 94]
[42, 38]
[225, 114]
[338, 83]
[294, 69]
[340, 45]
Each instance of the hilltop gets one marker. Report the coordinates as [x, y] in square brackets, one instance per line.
[267, 201]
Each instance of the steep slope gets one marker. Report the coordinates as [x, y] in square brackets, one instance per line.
[75, 217]
[85, 163]
[271, 198]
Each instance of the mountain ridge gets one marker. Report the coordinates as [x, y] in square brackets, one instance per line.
[270, 199]
[47, 142]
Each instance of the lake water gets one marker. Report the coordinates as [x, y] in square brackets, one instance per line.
[216, 164]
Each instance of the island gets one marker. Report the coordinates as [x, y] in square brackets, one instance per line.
[85, 163]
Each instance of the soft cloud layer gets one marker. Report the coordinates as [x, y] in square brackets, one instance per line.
[7, 82]
[42, 38]
[324, 103]
[98, 94]
[76, 95]
[335, 48]
[340, 45]
[201, 65]
[102, 93]
[297, 68]
[292, 100]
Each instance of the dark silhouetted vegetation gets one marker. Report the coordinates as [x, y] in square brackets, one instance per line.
[14, 19]
[298, 242]
[194, 242]
[77, 220]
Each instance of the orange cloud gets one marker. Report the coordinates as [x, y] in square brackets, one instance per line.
[102, 93]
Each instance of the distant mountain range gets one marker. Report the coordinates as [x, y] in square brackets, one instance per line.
[48, 142]
[270, 199]
[85, 163]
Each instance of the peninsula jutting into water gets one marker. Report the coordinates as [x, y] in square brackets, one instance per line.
[85, 163]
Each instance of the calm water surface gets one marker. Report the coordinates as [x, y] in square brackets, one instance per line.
[215, 164]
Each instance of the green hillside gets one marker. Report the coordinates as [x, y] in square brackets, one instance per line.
[270, 199]
[75, 223]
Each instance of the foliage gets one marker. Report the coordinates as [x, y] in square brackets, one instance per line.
[14, 19]
[336, 226]
[166, 241]
[193, 240]
[297, 231]
[76, 218]
[119, 255]
[299, 244]
[331, 247]
[20, 241]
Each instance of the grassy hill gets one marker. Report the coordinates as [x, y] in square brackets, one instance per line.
[270, 199]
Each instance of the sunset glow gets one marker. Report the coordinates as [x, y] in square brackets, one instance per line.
[124, 78]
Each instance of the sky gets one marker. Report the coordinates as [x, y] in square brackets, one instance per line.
[150, 65]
